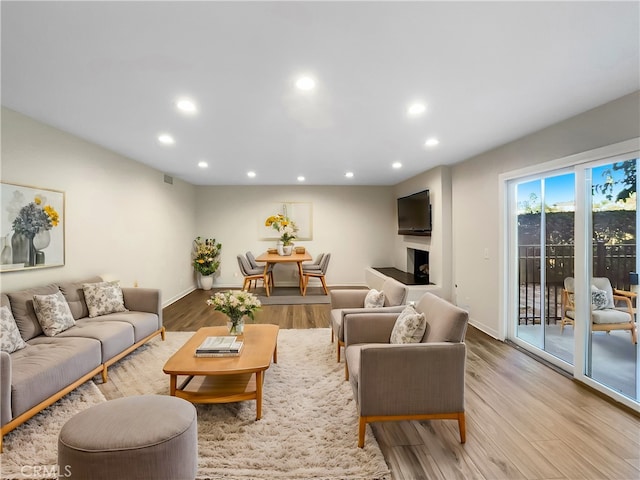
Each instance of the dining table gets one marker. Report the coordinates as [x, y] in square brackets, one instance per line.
[272, 258]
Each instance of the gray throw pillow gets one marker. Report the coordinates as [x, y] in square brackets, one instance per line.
[599, 299]
[103, 298]
[53, 312]
[374, 299]
[409, 327]
[10, 339]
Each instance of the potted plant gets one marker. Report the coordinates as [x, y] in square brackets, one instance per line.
[287, 229]
[205, 260]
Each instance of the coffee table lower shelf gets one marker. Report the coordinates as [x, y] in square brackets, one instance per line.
[220, 388]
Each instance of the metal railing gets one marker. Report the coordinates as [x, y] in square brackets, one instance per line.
[612, 261]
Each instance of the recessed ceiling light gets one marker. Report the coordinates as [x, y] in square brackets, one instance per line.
[416, 109]
[431, 142]
[166, 139]
[305, 83]
[301, 178]
[186, 105]
[203, 164]
[349, 174]
[396, 165]
[251, 174]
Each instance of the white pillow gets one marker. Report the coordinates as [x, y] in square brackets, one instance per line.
[53, 312]
[103, 298]
[410, 326]
[10, 339]
[374, 299]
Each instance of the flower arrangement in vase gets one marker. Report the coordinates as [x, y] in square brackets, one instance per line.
[287, 229]
[235, 304]
[206, 253]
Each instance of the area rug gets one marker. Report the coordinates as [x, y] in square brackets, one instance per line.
[308, 428]
[292, 296]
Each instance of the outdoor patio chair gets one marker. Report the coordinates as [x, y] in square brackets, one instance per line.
[605, 315]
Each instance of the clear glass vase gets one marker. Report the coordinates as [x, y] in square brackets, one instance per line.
[236, 325]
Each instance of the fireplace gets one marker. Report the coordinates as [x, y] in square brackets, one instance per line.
[418, 264]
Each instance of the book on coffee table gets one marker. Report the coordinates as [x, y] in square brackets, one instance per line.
[219, 346]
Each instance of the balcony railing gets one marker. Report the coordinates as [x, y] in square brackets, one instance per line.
[611, 261]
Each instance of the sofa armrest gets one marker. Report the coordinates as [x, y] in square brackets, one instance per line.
[368, 327]
[433, 374]
[5, 388]
[353, 298]
[143, 300]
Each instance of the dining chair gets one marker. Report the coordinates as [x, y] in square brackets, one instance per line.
[251, 274]
[255, 265]
[307, 273]
[315, 265]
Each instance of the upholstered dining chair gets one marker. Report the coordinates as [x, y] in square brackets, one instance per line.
[605, 315]
[307, 273]
[315, 265]
[251, 274]
[255, 265]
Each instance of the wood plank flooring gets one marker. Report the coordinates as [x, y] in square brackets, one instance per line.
[524, 420]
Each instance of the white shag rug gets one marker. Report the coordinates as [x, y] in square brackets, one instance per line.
[308, 430]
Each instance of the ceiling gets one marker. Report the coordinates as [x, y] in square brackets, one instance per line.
[488, 72]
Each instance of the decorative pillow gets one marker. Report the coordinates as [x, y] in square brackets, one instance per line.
[374, 299]
[10, 339]
[103, 298]
[53, 312]
[410, 326]
[599, 299]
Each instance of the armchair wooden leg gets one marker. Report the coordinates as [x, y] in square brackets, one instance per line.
[346, 371]
[462, 427]
[362, 424]
[332, 335]
[338, 350]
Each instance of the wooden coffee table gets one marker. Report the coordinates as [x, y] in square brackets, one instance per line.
[224, 379]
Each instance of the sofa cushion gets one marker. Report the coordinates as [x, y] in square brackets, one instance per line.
[143, 323]
[409, 327]
[47, 366]
[74, 294]
[53, 313]
[23, 312]
[114, 337]
[445, 321]
[374, 299]
[395, 292]
[10, 339]
[103, 298]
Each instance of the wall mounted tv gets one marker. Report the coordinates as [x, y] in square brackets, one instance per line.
[414, 214]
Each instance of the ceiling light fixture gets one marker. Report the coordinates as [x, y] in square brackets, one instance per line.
[431, 142]
[301, 178]
[349, 174]
[416, 109]
[396, 165]
[166, 139]
[203, 164]
[186, 105]
[251, 174]
[305, 83]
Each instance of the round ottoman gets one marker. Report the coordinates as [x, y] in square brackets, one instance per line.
[141, 437]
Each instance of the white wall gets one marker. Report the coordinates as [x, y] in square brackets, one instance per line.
[121, 220]
[351, 223]
[475, 213]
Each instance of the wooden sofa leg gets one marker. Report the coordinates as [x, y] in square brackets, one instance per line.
[163, 333]
[346, 371]
[104, 375]
[332, 335]
[462, 427]
[362, 425]
[338, 350]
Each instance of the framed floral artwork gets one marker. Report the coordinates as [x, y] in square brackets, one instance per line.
[31, 228]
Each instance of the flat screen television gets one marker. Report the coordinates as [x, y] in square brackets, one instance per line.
[414, 214]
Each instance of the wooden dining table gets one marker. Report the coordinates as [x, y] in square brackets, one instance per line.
[273, 258]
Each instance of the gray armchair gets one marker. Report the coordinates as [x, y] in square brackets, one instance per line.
[411, 381]
[344, 302]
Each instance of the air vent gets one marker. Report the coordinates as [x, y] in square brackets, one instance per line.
[168, 179]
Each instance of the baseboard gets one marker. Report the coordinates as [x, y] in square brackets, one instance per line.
[175, 298]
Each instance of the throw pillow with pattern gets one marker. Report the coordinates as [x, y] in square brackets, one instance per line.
[409, 327]
[374, 299]
[599, 299]
[103, 298]
[10, 339]
[53, 312]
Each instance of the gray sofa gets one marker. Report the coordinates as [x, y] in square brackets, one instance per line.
[35, 377]
[408, 381]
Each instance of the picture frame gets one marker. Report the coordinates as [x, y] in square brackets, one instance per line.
[300, 212]
[40, 214]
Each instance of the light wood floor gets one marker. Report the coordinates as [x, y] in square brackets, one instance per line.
[524, 420]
